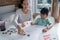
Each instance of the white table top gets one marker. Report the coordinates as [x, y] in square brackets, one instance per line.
[35, 33]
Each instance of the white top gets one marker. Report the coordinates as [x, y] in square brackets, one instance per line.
[21, 17]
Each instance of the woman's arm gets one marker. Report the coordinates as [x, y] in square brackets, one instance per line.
[16, 20]
[18, 25]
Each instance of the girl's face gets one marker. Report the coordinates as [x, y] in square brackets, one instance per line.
[25, 4]
[43, 16]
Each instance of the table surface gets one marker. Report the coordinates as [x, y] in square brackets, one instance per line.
[35, 33]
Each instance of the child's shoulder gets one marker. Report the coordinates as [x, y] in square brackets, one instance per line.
[38, 18]
[46, 20]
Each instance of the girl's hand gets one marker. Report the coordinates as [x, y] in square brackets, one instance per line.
[45, 30]
[32, 23]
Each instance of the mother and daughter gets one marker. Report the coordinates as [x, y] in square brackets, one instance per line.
[24, 14]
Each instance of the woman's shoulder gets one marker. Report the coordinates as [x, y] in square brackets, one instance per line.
[18, 11]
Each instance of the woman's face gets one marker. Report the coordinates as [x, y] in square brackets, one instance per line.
[25, 4]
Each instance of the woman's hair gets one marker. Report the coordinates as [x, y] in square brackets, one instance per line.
[20, 5]
[44, 11]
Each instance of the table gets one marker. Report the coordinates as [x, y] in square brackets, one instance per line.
[35, 33]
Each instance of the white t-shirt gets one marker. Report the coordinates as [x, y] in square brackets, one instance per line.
[21, 17]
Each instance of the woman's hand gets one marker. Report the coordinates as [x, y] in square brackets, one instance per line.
[20, 30]
[24, 24]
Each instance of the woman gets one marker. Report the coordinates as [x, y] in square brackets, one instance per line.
[22, 15]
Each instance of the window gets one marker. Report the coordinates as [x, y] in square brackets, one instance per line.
[58, 1]
[31, 5]
[43, 3]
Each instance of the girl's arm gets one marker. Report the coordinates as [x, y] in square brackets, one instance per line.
[52, 22]
[35, 22]
[50, 26]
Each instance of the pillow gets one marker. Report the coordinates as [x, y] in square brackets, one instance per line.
[6, 9]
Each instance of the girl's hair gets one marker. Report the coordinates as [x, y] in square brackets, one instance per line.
[44, 11]
[20, 5]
